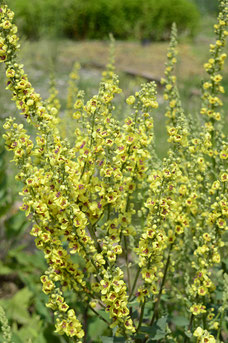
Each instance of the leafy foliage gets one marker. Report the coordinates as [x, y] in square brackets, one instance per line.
[90, 19]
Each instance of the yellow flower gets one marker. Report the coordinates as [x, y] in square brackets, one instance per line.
[198, 332]
[172, 103]
[202, 291]
[217, 78]
[216, 257]
[223, 155]
[10, 72]
[130, 100]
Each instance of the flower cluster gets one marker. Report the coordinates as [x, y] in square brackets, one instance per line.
[114, 221]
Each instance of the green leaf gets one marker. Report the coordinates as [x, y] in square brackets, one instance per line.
[107, 339]
[24, 258]
[31, 330]
[38, 261]
[159, 335]
[139, 336]
[96, 326]
[40, 338]
[188, 333]
[112, 339]
[42, 310]
[119, 339]
[156, 331]
[4, 270]
[50, 336]
[17, 306]
[16, 339]
[148, 329]
[4, 208]
[162, 323]
[30, 260]
[32, 281]
[2, 194]
[15, 225]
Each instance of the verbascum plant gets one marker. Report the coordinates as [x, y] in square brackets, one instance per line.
[148, 233]
[5, 328]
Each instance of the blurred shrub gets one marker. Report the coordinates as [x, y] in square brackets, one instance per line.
[38, 17]
[90, 19]
[210, 6]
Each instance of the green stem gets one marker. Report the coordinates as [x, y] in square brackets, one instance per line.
[91, 142]
[85, 324]
[108, 212]
[204, 321]
[134, 284]
[220, 326]
[141, 315]
[161, 288]
[99, 315]
[127, 263]
[189, 327]
[93, 235]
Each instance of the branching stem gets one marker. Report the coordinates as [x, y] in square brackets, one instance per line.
[99, 315]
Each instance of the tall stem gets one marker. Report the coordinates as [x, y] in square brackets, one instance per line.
[141, 315]
[85, 324]
[127, 263]
[161, 288]
[134, 284]
[220, 326]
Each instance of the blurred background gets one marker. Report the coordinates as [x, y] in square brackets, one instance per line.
[127, 20]
[54, 35]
